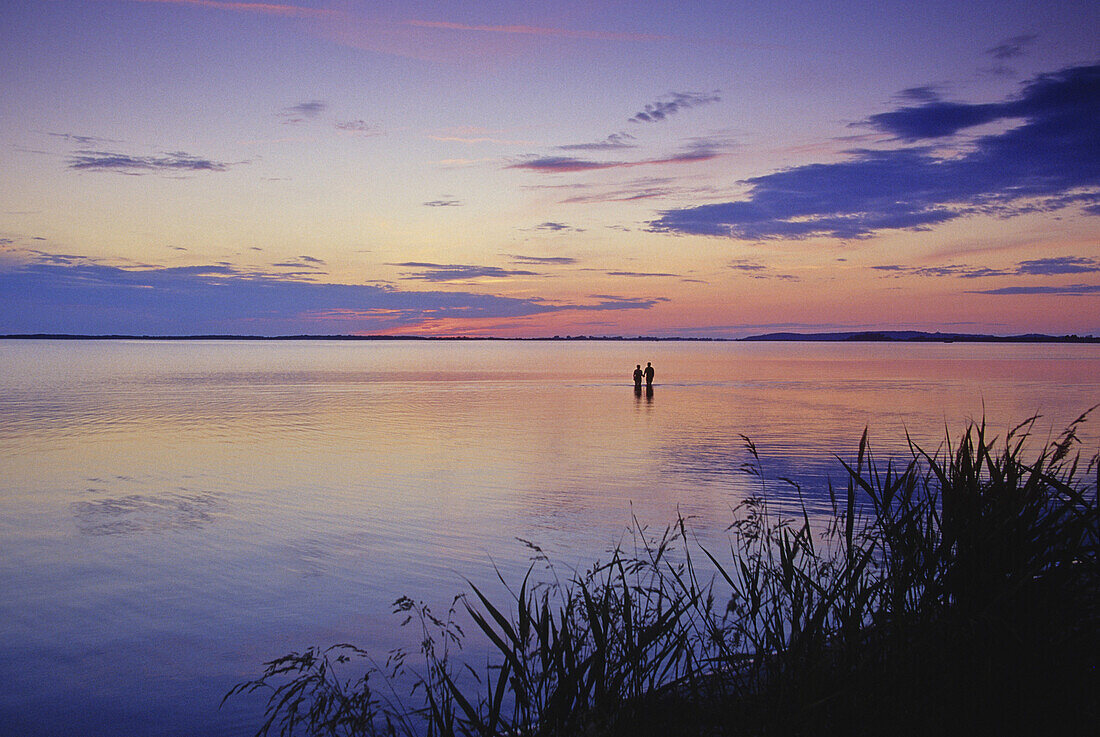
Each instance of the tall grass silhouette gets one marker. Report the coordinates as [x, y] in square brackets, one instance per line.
[956, 593]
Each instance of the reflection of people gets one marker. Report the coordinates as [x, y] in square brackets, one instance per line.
[648, 374]
[638, 377]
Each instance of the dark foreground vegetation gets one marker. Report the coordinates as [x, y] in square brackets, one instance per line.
[956, 594]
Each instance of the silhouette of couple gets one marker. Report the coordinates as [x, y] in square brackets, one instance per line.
[648, 374]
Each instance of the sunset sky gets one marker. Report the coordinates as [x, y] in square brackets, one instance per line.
[712, 169]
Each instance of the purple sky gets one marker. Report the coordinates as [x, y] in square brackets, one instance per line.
[659, 168]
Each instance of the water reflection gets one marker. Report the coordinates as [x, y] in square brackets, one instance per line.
[179, 513]
[140, 513]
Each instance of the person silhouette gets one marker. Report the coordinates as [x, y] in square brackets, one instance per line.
[648, 374]
[638, 377]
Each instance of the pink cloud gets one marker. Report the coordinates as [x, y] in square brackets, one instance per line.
[428, 40]
[479, 139]
[285, 11]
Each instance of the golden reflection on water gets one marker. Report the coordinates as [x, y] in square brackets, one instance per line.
[199, 507]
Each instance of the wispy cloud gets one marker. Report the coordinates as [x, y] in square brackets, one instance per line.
[1071, 289]
[445, 201]
[357, 127]
[1053, 266]
[693, 153]
[619, 195]
[303, 266]
[611, 301]
[750, 266]
[478, 139]
[457, 272]
[1059, 265]
[302, 111]
[563, 164]
[557, 227]
[283, 10]
[1012, 48]
[961, 271]
[662, 109]
[921, 93]
[83, 141]
[543, 260]
[613, 142]
[525, 30]
[474, 134]
[418, 38]
[461, 163]
[635, 189]
[1052, 154]
[759, 271]
[174, 162]
[638, 274]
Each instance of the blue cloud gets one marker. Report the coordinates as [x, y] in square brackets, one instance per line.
[698, 149]
[1071, 289]
[759, 271]
[745, 265]
[564, 164]
[923, 93]
[177, 161]
[359, 127]
[557, 227]
[83, 140]
[1059, 265]
[613, 302]
[546, 260]
[660, 110]
[1049, 98]
[76, 295]
[1035, 267]
[1011, 48]
[301, 111]
[935, 119]
[960, 270]
[611, 143]
[457, 272]
[1054, 153]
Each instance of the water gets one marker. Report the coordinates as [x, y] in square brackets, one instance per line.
[174, 514]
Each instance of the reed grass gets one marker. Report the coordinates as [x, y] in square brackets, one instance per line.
[954, 594]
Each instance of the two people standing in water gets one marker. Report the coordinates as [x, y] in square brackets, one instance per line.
[639, 374]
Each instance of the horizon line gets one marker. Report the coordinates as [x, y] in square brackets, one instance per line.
[895, 336]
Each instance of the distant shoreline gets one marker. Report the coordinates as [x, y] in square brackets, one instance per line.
[866, 336]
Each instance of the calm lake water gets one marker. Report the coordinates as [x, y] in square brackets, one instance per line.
[172, 514]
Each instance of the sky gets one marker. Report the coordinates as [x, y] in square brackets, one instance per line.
[704, 169]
